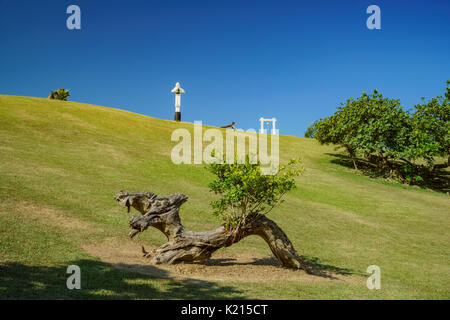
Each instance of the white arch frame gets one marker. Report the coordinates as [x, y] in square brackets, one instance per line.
[263, 120]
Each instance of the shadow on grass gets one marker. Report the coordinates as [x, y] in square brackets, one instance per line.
[320, 269]
[223, 262]
[439, 182]
[102, 281]
[314, 266]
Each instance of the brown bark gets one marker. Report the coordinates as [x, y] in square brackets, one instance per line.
[352, 152]
[441, 165]
[183, 245]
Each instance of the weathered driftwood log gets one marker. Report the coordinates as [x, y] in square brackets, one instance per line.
[183, 245]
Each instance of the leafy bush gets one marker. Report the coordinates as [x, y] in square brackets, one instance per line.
[430, 131]
[387, 136]
[60, 94]
[245, 191]
[370, 125]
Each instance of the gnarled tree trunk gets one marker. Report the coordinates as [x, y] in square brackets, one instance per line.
[162, 213]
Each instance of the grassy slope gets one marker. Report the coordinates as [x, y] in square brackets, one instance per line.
[64, 161]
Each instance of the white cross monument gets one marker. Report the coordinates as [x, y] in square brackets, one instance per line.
[262, 120]
[178, 91]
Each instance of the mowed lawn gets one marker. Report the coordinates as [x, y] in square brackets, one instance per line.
[61, 164]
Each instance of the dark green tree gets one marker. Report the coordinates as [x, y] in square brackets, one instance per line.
[369, 125]
[396, 141]
[429, 138]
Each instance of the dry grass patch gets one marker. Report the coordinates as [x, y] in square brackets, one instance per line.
[223, 266]
[48, 216]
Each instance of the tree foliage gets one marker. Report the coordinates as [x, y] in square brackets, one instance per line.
[394, 140]
[430, 131]
[244, 191]
[60, 94]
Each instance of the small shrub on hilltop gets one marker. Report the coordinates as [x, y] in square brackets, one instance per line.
[60, 94]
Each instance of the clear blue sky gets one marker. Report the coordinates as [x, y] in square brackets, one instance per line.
[237, 60]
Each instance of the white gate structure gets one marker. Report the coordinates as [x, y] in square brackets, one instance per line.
[263, 120]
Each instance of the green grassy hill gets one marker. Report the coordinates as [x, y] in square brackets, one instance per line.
[62, 162]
